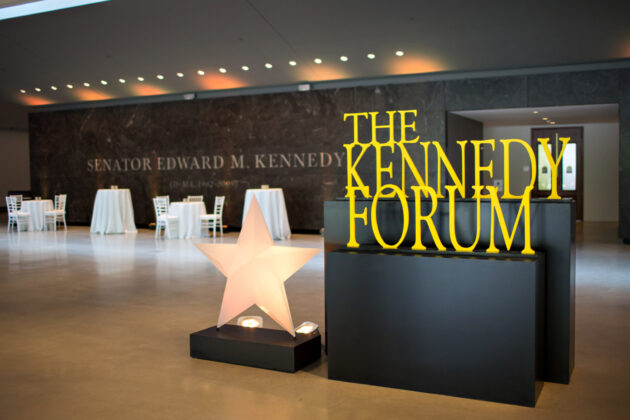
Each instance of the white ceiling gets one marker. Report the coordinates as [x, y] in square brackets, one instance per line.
[123, 39]
[560, 115]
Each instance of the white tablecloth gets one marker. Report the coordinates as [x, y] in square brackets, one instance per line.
[37, 208]
[188, 215]
[273, 209]
[113, 212]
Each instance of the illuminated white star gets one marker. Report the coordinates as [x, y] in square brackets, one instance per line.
[256, 270]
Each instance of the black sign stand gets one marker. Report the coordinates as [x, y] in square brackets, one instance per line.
[257, 347]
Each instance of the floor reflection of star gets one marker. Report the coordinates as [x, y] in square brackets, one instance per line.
[256, 270]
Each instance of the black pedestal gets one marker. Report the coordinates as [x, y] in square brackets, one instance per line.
[468, 326]
[552, 233]
[257, 347]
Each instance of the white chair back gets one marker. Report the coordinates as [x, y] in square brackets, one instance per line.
[162, 219]
[218, 206]
[167, 198]
[195, 198]
[60, 202]
[161, 206]
[12, 206]
[18, 200]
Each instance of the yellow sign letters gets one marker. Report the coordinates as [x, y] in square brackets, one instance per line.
[384, 144]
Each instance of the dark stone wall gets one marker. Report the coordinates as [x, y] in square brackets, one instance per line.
[461, 128]
[496, 92]
[64, 145]
[592, 87]
[62, 142]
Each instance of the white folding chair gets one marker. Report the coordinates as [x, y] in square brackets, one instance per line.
[162, 218]
[16, 216]
[195, 198]
[216, 219]
[57, 215]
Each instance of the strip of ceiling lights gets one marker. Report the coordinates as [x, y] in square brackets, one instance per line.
[42, 6]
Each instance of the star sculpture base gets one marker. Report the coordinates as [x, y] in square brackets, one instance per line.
[257, 347]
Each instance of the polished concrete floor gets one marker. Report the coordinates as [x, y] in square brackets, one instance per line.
[97, 327]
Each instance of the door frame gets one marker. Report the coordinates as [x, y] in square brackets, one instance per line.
[578, 194]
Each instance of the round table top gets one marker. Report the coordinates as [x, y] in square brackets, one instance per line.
[187, 202]
[104, 190]
[264, 189]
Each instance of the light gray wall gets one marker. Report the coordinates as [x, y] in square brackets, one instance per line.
[14, 162]
[601, 166]
[601, 172]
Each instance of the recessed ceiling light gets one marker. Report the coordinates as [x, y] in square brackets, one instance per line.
[222, 70]
[180, 74]
[343, 58]
[201, 72]
[69, 86]
[268, 65]
[545, 118]
[86, 84]
[318, 61]
[122, 80]
[371, 56]
[159, 76]
[292, 63]
[400, 53]
[245, 68]
[103, 82]
[140, 79]
[53, 87]
[22, 91]
[534, 112]
[38, 90]
[552, 122]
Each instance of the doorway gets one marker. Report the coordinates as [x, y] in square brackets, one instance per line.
[570, 180]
